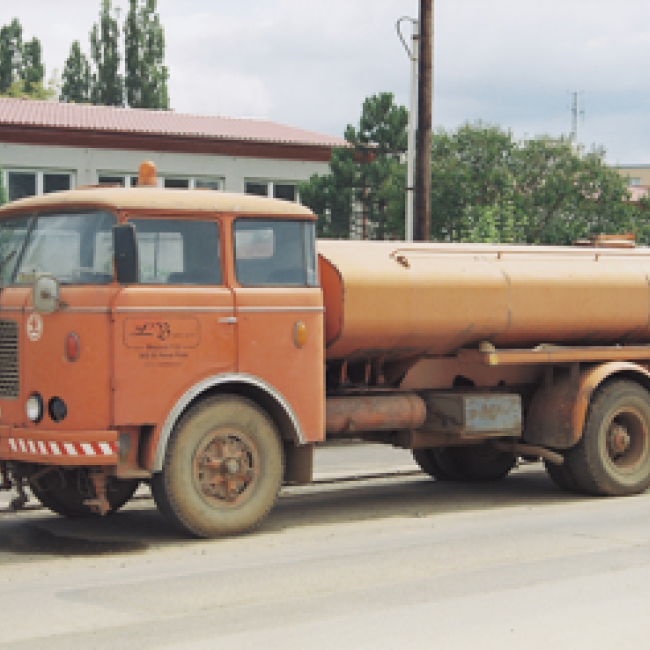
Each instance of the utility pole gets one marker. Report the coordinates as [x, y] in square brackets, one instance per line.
[574, 116]
[414, 55]
[425, 121]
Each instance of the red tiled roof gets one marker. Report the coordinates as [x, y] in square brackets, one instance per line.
[28, 112]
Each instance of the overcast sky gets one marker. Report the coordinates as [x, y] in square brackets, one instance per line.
[311, 64]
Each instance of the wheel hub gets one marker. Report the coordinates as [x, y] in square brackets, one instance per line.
[619, 439]
[225, 466]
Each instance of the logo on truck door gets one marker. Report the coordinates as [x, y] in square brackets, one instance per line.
[162, 339]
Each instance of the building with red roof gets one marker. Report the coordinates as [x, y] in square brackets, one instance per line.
[47, 146]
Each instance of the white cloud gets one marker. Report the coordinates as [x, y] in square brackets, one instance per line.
[311, 64]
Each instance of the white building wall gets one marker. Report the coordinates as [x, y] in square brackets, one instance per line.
[86, 164]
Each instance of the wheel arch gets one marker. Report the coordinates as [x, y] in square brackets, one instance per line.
[556, 415]
[594, 378]
[249, 386]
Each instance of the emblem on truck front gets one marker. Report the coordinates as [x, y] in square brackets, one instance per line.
[34, 327]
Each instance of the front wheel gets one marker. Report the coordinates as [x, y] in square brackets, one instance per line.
[613, 455]
[223, 468]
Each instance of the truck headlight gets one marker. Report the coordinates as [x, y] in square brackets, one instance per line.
[34, 407]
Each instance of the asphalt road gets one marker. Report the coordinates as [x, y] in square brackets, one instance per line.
[402, 562]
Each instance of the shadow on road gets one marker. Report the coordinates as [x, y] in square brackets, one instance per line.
[35, 535]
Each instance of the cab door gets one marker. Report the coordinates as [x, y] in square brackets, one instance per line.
[177, 326]
[279, 311]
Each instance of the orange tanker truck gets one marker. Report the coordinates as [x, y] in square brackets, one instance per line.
[204, 342]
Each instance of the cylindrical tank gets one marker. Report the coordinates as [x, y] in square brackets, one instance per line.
[395, 300]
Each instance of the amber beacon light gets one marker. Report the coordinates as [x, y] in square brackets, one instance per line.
[147, 174]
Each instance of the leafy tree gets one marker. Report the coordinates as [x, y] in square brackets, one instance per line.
[488, 187]
[76, 77]
[32, 70]
[369, 173]
[11, 51]
[146, 76]
[107, 86]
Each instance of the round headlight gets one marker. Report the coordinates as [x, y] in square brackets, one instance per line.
[34, 407]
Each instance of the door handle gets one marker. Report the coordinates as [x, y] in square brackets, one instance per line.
[228, 319]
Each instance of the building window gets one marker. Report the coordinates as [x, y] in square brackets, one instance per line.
[634, 180]
[178, 182]
[22, 183]
[277, 189]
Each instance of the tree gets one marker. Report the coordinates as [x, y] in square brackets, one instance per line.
[369, 173]
[146, 76]
[76, 77]
[107, 86]
[488, 187]
[32, 70]
[11, 51]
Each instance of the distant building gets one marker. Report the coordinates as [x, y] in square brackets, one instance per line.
[49, 146]
[638, 180]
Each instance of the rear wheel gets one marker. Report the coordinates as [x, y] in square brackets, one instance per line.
[613, 455]
[466, 463]
[561, 476]
[222, 470]
[436, 463]
[64, 492]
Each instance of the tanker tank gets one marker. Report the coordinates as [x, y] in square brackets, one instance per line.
[396, 300]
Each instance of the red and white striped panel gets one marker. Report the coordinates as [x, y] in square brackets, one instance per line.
[48, 448]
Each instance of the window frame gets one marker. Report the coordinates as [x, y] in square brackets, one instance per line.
[303, 238]
[39, 173]
[180, 217]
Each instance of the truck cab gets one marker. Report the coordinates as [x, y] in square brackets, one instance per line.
[98, 365]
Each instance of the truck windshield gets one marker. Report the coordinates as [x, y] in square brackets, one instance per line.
[76, 248]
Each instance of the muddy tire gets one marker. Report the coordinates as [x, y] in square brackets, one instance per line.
[222, 470]
[469, 463]
[65, 492]
[436, 463]
[561, 476]
[613, 455]
[481, 462]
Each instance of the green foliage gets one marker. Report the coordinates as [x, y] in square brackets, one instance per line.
[368, 173]
[488, 187]
[21, 64]
[107, 86]
[76, 77]
[11, 51]
[146, 76]
[32, 70]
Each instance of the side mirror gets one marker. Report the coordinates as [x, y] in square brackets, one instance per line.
[125, 253]
[45, 294]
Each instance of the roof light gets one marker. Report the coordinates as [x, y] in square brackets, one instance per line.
[147, 174]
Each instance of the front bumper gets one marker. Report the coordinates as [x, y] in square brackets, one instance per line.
[70, 448]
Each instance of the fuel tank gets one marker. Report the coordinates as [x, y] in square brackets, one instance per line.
[395, 300]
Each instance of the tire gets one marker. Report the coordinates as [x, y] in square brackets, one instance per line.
[64, 493]
[222, 470]
[613, 455]
[561, 476]
[482, 462]
[467, 463]
[436, 463]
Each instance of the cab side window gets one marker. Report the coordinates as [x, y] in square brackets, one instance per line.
[178, 251]
[276, 253]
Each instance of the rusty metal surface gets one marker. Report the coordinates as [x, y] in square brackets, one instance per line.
[555, 354]
[472, 415]
[349, 416]
[450, 297]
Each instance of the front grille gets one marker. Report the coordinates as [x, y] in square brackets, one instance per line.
[9, 383]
